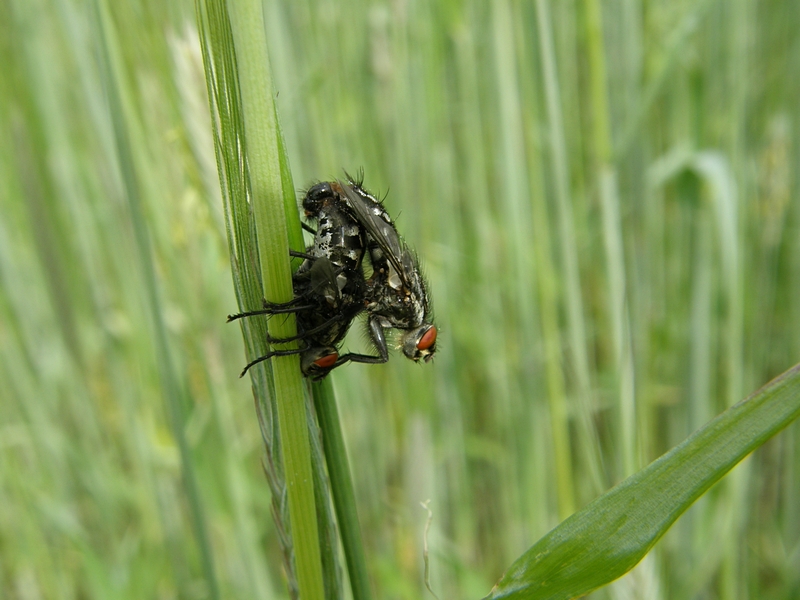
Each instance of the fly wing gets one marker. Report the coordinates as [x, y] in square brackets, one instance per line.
[322, 280]
[379, 229]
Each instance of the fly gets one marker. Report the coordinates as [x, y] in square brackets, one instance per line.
[329, 287]
[397, 294]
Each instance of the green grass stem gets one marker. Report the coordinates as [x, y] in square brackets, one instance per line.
[266, 186]
[250, 122]
[342, 488]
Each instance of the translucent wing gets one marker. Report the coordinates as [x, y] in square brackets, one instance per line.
[322, 280]
[370, 215]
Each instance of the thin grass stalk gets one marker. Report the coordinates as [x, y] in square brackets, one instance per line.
[518, 209]
[227, 128]
[173, 393]
[573, 298]
[267, 196]
[606, 180]
[342, 488]
[724, 200]
[722, 194]
[676, 50]
[701, 341]
[551, 338]
[547, 287]
[739, 43]
[259, 196]
[328, 532]
[620, 318]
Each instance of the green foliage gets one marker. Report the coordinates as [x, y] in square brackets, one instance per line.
[608, 537]
[603, 196]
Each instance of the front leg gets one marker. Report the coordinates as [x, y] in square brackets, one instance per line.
[319, 369]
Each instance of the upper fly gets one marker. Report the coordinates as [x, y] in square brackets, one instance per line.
[397, 294]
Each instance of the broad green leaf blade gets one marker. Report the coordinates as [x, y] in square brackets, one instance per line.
[607, 538]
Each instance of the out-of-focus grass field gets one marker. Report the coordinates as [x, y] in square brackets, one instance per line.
[606, 202]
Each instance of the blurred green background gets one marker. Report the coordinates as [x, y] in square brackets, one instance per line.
[605, 202]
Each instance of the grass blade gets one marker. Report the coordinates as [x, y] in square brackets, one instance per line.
[259, 196]
[607, 538]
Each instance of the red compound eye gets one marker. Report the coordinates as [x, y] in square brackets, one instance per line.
[428, 339]
[327, 361]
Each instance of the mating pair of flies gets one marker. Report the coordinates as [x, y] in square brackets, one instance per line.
[330, 289]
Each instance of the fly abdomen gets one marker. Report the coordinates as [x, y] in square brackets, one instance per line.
[339, 236]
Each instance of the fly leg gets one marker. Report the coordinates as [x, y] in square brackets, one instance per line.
[269, 355]
[275, 308]
[306, 255]
[307, 332]
[315, 370]
[319, 372]
[378, 338]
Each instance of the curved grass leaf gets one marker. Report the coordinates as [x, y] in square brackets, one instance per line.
[607, 538]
